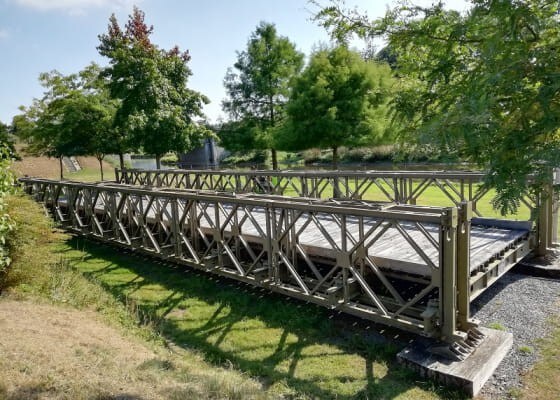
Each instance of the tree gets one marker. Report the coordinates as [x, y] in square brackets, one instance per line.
[74, 117]
[258, 86]
[6, 142]
[239, 135]
[156, 109]
[484, 82]
[54, 124]
[339, 100]
[100, 110]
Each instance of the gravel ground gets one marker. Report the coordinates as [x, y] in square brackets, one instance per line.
[521, 304]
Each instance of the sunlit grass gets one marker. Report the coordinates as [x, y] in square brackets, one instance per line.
[543, 382]
[41, 274]
[298, 348]
[88, 174]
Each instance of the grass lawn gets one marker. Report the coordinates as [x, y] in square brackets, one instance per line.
[89, 174]
[64, 336]
[294, 350]
[299, 350]
[543, 382]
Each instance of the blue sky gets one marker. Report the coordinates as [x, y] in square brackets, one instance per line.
[43, 35]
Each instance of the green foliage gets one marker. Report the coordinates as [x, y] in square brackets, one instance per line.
[7, 142]
[6, 222]
[74, 117]
[251, 157]
[257, 88]
[156, 108]
[240, 136]
[484, 83]
[50, 123]
[338, 100]
[383, 153]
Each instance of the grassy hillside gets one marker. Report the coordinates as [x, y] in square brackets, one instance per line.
[66, 337]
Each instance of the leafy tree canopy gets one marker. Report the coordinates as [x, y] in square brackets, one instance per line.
[74, 117]
[258, 87]
[339, 100]
[6, 142]
[486, 83]
[156, 109]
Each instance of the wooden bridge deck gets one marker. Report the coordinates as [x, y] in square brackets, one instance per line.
[391, 250]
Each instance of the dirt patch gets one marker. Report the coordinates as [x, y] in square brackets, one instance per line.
[45, 167]
[37, 166]
[55, 353]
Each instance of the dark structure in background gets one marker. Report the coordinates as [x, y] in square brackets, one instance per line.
[208, 155]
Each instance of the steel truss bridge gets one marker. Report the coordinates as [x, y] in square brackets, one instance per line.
[404, 265]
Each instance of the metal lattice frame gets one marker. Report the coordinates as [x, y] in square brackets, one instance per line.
[264, 240]
[405, 187]
[396, 186]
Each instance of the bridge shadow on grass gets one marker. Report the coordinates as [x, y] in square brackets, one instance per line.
[292, 347]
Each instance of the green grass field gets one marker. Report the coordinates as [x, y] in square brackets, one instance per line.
[91, 175]
[295, 350]
[298, 349]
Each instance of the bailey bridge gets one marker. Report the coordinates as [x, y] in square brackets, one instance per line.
[389, 260]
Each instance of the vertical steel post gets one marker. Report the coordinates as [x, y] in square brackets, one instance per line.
[555, 204]
[448, 274]
[544, 218]
[268, 242]
[176, 228]
[218, 237]
[336, 187]
[463, 265]
[114, 217]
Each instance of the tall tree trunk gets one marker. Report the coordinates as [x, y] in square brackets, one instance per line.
[121, 160]
[336, 188]
[274, 159]
[100, 159]
[158, 161]
[272, 122]
[335, 157]
[61, 167]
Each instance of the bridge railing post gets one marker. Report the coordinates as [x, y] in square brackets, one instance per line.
[463, 265]
[544, 219]
[448, 274]
[554, 206]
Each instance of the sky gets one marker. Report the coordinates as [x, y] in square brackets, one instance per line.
[44, 35]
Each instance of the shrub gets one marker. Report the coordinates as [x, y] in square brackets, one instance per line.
[252, 157]
[6, 223]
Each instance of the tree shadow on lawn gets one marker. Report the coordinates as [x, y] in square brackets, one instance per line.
[286, 343]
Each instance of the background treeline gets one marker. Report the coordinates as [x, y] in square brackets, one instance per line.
[480, 86]
[140, 101]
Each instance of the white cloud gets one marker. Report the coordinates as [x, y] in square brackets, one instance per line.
[74, 7]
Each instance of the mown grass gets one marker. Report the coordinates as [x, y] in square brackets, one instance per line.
[89, 174]
[298, 350]
[41, 273]
[543, 382]
[226, 332]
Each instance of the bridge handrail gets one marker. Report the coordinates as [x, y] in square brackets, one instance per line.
[405, 187]
[132, 216]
